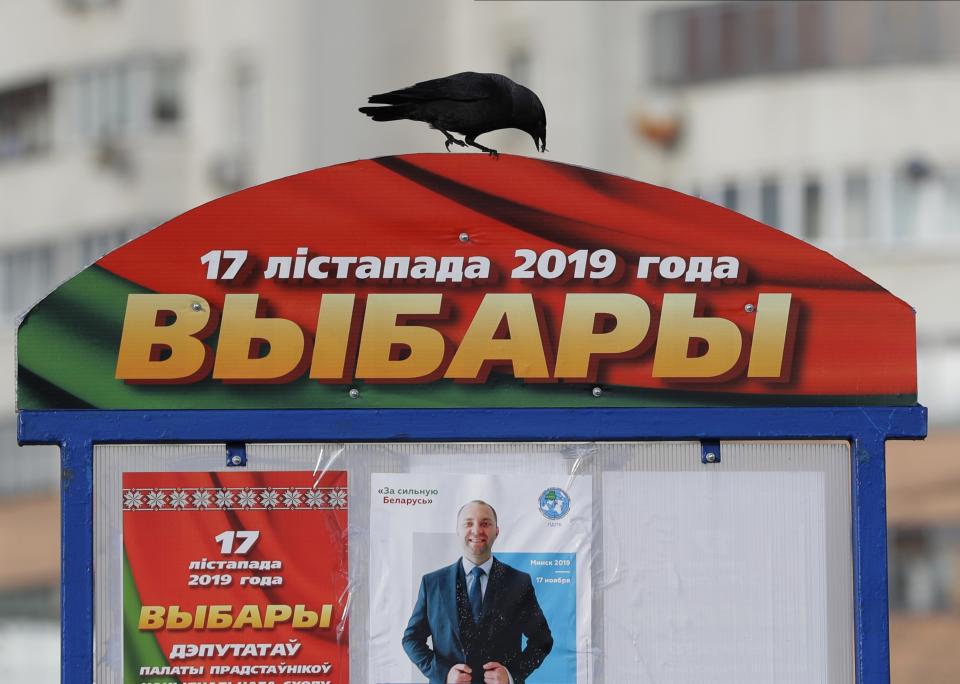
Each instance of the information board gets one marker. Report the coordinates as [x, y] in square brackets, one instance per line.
[457, 281]
[656, 426]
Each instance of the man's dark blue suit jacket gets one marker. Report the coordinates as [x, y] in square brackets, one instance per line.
[510, 611]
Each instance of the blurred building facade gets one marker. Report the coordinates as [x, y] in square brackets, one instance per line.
[834, 121]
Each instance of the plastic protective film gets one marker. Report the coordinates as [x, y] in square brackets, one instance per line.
[600, 562]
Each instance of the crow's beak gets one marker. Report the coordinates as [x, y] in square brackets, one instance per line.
[539, 142]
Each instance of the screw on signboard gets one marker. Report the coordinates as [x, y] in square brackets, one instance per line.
[236, 454]
[354, 393]
[597, 391]
[749, 308]
[197, 306]
[709, 451]
[464, 237]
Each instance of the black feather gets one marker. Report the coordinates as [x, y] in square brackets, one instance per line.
[464, 87]
[394, 113]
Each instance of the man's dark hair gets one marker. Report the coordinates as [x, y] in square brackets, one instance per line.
[482, 502]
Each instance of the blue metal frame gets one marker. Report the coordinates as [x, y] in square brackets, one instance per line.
[867, 428]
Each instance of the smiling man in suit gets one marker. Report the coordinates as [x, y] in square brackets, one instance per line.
[477, 612]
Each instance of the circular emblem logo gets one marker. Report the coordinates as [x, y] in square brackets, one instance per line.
[554, 503]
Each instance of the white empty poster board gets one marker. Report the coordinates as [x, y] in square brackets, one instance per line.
[735, 573]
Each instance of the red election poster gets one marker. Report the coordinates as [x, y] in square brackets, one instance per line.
[235, 577]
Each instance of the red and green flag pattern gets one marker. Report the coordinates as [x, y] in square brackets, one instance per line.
[456, 280]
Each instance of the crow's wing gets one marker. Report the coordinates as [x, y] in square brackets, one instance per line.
[464, 87]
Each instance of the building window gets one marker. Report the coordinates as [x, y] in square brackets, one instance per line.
[812, 209]
[856, 206]
[916, 193]
[84, 5]
[731, 46]
[906, 32]
[518, 65]
[26, 275]
[951, 187]
[25, 120]
[26, 611]
[135, 95]
[925, 569]
[104, 101]
[712, 41]
[166, 99]
[809, 28]
[233, 167]
[694, 44]
[94, 246]
[731, 196]
[26, 470]
[914, 202]
[770, 202]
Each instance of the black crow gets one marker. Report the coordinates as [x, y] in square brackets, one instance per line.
[467, 103]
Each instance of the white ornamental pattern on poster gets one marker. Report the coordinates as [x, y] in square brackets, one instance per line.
[235, 499]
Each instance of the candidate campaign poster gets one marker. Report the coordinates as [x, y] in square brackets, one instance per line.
[536, 597]
[235, 577]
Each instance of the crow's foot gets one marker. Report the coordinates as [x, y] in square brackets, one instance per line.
[451, 140]
[492, 152]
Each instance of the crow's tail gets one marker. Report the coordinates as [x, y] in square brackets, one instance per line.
[392, 113]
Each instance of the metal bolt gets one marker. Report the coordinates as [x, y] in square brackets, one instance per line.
[236, 460]
[464, 237]
[597, 391]
[196, 306]
[354, 393]
[749, 308]
[711, 457]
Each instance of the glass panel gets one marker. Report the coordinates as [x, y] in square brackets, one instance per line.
[742, 567]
